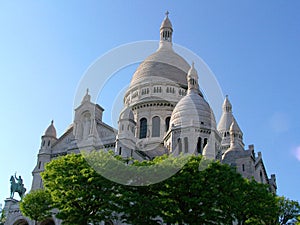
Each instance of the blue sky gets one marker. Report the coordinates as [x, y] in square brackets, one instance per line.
[252, 47]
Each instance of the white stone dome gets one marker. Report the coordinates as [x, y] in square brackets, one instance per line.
[164, 63]
[193, 110]
[51, 131]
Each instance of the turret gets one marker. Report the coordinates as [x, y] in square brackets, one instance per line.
[225, 122]
[125, 143]
[166, 30]
[49, 138]
[192, 79]
[44, 156]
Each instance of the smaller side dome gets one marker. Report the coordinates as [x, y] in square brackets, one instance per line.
[235, 148]
[51, 131]
[193, 109]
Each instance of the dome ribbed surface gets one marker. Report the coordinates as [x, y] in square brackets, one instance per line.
[193, 110]
[164, 63]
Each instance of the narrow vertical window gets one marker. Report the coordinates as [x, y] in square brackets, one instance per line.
[179, 145]
[261, 177]
[143, 128]
[167, 123]
[243, 167]
[155, 126]
[120, 150]
[186, 145]
[199, 143]
[204, 142]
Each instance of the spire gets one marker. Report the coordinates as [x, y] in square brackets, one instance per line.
[166, 30]
[192, 79]
[87, 97]
[227, 116]
[225, 125]
[227, 107]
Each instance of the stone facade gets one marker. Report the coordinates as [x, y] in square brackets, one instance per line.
[164, 113]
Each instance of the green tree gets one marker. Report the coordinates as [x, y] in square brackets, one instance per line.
[288, 209]
[143, 204]
[37, 205]
[80, 194]
[256, 205]
[2, 217]
[201, 192]
[215, 195]
[201, 197]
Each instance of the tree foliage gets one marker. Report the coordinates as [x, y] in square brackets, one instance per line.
[2, 217]
[37, 205]
[288, 209]
[80, 194]
[200, 192]
[214, 195]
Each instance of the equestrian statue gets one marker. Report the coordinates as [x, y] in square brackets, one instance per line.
[17, 186]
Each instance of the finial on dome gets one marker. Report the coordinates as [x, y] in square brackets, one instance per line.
[87, 91]
[166, 30]
[52, 121]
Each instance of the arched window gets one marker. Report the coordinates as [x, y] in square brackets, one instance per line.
[155, 126]
[49, 143]
[167, 123]
[186, 145]
[179, 145]
[143, 128]
[261, 177]
[204, 142]
[199, 149]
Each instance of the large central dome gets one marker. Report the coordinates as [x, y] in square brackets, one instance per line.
[164, 63]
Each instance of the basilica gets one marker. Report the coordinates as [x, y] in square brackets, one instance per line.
[164, 112]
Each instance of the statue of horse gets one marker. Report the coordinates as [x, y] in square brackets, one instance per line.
[15, 187]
